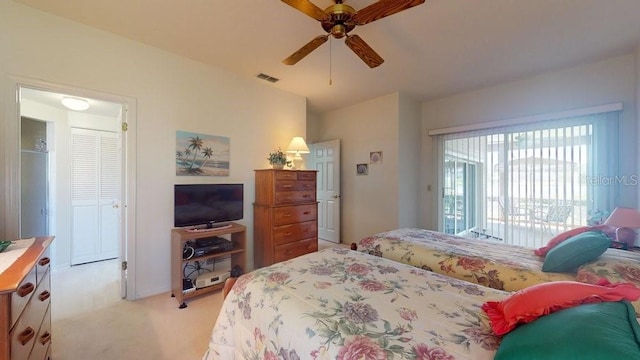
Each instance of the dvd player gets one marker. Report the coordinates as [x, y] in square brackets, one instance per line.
[211, 245]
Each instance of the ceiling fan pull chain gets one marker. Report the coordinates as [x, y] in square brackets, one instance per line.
[330, 47]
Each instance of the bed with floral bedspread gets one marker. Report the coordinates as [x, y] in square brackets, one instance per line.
[344, 304]
[485, 262]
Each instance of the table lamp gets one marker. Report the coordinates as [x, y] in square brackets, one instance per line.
[297, 146]
[626, 220]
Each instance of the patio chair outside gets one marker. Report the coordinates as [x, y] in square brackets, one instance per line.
[556, 215]
[514, 211]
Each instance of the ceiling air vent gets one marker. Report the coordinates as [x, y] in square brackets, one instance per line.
[266, 77]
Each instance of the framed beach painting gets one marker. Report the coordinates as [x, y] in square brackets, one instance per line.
[201, 155]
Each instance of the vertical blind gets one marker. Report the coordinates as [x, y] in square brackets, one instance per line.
[524, 183]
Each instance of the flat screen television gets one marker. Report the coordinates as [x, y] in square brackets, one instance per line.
[205, 205]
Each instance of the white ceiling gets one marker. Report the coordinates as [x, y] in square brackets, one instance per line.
[433, 50]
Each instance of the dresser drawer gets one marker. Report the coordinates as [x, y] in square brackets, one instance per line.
[285, 185]
[292, 197]
[307, 175]
[294, 232]
[43, 339]
[21, 296]
[42, 266]
[294, 214]
[295, 249]
[309, 185]
[25, 333]
[292, 185]
[41, 299]
[285, 175]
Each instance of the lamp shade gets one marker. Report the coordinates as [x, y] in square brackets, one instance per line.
[624, 217]
[298, 146]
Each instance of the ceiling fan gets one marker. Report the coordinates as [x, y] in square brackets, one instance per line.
[339, 19]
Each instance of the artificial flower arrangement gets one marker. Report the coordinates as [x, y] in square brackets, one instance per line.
[278, 159]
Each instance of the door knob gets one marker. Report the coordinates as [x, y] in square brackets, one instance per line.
[335, 196]
[115, 205]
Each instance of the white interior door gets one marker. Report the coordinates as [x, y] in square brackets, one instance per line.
[326, 159]
[95, 195]
[34, 208]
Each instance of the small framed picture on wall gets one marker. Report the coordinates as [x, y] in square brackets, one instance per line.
[362, 169]
[375, 157]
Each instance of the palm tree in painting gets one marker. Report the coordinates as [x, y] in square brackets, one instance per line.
[195, 144]
[207, 153]
[180, 157]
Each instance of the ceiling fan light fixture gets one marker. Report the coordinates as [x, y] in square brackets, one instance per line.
[338, 31]
[339, 19]
[73, 103]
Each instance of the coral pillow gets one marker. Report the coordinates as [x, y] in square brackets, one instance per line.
[566, 236]
[528, 304]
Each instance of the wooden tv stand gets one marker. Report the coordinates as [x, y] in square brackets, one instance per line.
[179, 236]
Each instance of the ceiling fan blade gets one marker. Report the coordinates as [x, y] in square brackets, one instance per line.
[307, 7]
[383, 8]
[364, 51]
[305, 50]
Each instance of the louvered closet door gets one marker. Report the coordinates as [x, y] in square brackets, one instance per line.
[95, 195]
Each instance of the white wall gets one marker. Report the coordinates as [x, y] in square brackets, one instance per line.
[171, 93]
[409, 188]
[608, 81]
[387, 197]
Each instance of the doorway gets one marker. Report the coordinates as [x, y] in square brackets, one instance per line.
[326, 159]
[96, 235]
[34, 167]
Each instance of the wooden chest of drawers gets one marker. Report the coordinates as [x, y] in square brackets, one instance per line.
[25, 297]
[285, 215]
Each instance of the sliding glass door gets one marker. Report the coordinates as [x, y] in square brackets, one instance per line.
[523, 184]
[459, 201]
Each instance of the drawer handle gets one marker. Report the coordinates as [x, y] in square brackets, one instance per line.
[287, 234]
[287, 186]
[45, 338]
[306, 196]
[25, 289]
[307, 212]
[26, 335]
[44, 295]
[286, 215]
[44, 261]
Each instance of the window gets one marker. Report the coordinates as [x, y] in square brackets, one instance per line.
[524, 183]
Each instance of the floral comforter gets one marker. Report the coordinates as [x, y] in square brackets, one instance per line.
[343, 304]
[484, 262]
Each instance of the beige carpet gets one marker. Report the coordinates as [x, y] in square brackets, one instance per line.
[91, 322]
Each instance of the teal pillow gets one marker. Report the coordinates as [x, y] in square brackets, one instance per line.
[571, 253]
[604, 331]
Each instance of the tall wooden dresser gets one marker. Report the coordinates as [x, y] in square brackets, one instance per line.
[285, 215]
[25, 297]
